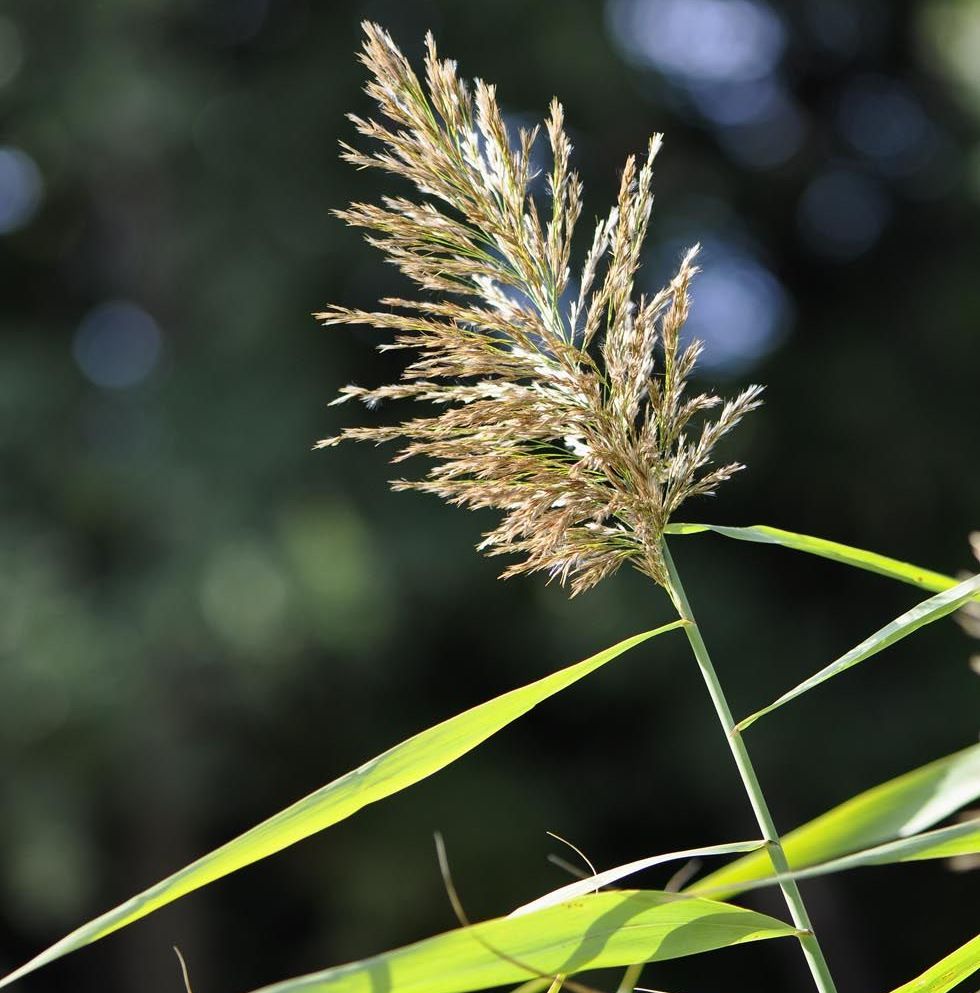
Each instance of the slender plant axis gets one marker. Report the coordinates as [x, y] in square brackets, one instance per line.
[794, 900]
[564, 403]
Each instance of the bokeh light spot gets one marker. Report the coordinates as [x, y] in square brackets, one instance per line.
[699, 40]
[758, 122]
[884, 121]
[243, 595]
[950, 34]
[21, 189]
[49, 872]
[738, 103]
[11, 51]
[117, 345]
[842, 214]
[338, 574]
[739, 309]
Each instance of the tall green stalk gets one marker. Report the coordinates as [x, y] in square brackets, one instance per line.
[794, 899]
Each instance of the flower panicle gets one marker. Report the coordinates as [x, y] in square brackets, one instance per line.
[562, 405]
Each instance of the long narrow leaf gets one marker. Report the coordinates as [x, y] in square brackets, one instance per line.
[930, 610]
[610, 876]
[594, 931]
[946, 843]
[905, 572]
[897, 808]
[957, 839]
[394, 770]
[948, 972]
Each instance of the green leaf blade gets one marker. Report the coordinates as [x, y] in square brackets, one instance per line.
[859, 558]
[926, 612]
[948, 972]
[897, 808]
[394, 770]
[947, 843]
[609, 876]
[957, 839]
[596, 931]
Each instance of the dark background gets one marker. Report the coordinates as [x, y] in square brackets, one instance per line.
[201, 619]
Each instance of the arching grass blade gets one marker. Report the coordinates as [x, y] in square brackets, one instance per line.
[897, 808]
[948, 972]
[595, 931]
[592, 884]
[394, 770]
[930, 610]
[905, 572]
[957, 839]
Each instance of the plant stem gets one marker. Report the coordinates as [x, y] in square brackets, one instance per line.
[794, 900]
[630, 978]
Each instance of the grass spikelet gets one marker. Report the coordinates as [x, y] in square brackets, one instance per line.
[561, 404]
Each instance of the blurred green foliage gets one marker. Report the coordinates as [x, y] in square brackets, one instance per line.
[200, 619]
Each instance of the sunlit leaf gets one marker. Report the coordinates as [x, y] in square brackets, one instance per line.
[897, 808]
[957, 839]
[872, 562]
[610, 876]
[948, 972]
[594, 931]
[394, 770]
[930, 610]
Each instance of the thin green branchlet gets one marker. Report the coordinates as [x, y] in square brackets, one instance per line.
[563, 401]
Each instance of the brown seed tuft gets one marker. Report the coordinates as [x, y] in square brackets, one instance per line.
[572, 419]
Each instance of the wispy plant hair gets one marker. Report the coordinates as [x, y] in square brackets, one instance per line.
[563, 404]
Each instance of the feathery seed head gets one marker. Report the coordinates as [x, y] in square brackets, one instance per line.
[572, 419]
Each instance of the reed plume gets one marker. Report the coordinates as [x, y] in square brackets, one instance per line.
[563, 404]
